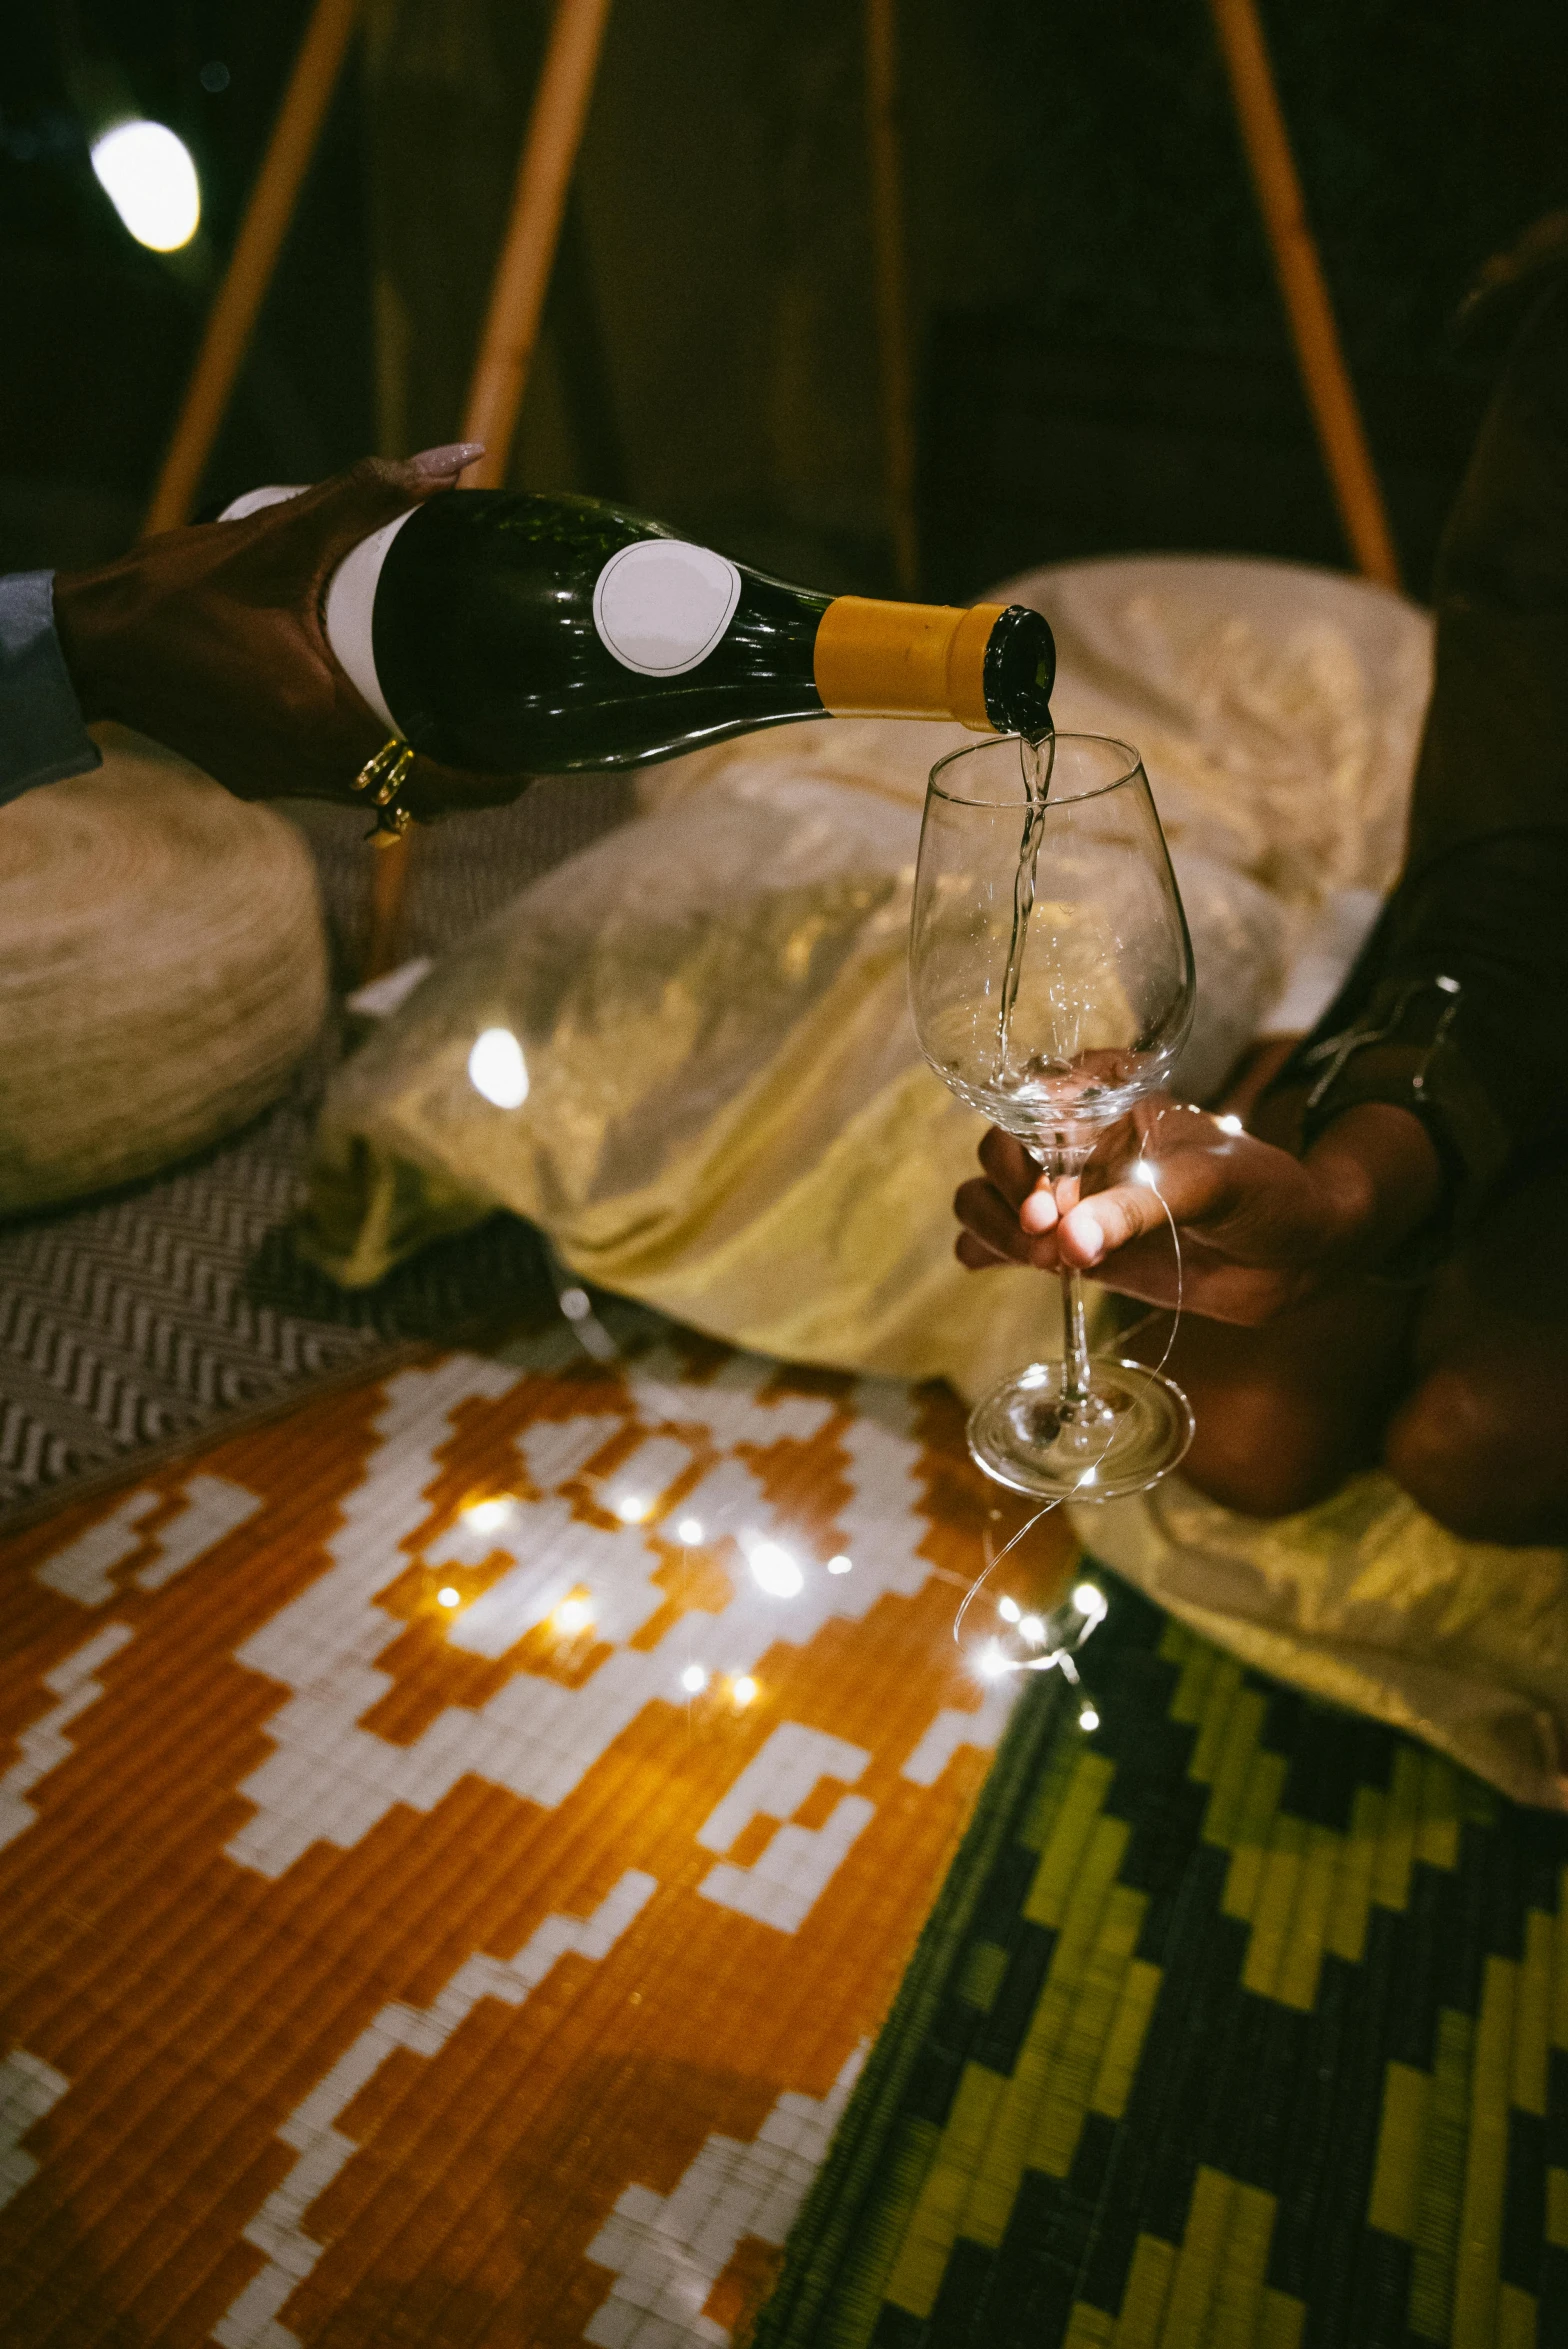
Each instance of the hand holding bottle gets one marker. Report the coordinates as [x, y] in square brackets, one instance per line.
[211, 640]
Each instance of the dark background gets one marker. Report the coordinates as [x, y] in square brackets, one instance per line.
[1101, 355]
[99, 334]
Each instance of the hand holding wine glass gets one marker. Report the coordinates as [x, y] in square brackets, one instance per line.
[1261, 1229]
[1052, 984]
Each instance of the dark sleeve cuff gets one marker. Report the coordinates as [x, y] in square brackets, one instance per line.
[43, 736]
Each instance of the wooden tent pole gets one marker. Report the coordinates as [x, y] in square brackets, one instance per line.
[1325, 377]
[522, 277]
[887, 230]
[232, 318]
[506, 349]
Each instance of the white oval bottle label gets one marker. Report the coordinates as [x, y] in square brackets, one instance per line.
[661, 606]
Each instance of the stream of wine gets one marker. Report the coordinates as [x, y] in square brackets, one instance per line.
[1036, 759]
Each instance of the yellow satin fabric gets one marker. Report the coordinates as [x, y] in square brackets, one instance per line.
[1365, 1601]
[726, 1119]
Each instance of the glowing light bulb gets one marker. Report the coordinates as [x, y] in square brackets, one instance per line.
[1089, 1719]
[573, 1615]
[632, 1509]
[991, 1661]
[148, 176]
[1144, 1173]
[744, 1689]
[1009, 1610]
[1089, 1476]
[1032, 1629]
[489, 1516]
[1089, 1600]
[497, 1069]
[1229, 1124]
[840, 1564]
[776, 1571]
[449, 1597]
[694, 1680]
[690, 1529]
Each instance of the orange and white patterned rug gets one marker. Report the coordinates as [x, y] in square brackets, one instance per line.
[457, 1842]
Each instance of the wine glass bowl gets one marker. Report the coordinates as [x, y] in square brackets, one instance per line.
[1104, 980]
[1051, 981]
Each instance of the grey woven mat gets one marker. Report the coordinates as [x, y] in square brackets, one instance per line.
[139, 1321]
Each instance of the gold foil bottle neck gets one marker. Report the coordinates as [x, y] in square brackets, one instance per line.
[887, 660]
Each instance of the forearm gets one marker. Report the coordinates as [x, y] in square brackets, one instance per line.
[1380, 1178]
[1453, 1017]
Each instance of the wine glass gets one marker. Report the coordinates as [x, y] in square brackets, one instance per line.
[1051, 979]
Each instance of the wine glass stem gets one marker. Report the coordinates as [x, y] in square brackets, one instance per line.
[1075, 1343]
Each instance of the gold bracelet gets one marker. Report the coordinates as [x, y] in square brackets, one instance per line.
[384, 775]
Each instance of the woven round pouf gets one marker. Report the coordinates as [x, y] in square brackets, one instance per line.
[163, 966]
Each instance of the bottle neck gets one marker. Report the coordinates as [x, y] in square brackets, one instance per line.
[886, 660]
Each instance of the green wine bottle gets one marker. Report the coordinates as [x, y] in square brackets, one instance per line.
[501, 631]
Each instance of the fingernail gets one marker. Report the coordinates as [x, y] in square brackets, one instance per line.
[1089, 1234]
[433, 463]
[1038, 1212]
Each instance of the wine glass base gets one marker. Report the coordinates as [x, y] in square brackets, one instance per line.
[1136, 1428]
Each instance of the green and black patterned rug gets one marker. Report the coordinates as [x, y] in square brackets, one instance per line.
[1240, 2021]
